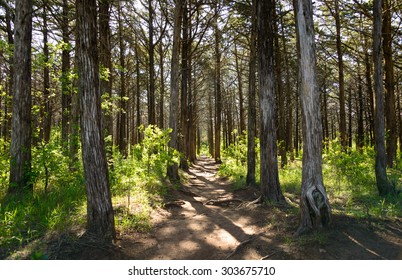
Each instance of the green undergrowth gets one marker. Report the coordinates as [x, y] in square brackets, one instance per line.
[349, 178]
[58, 202]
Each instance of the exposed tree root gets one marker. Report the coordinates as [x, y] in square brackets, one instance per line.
[176, 203]
[222, 202]
[240, 246]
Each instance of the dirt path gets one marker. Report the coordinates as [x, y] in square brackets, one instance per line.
[206, 220]
[192, 226]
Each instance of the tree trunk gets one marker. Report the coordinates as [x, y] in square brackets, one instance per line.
[390, 112]
[269, 178]
[314, 205]
[360, 111]
[370, 94]
[162, 89]
[218, 94]
[342, 111]
[122, 115]
[100, 217]
[252, 114]
[47, 110]
[105, 56]
[21, 131]
[65, 78]
[173, 169]
[151, 53]
[242, 126]
[383, 185]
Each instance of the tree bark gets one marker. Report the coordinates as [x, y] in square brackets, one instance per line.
[269, 178]
[315, 210]
[252, 114]
[173, 169]
[100, 217]
[390, 111]
[21, 131]
[383, 185]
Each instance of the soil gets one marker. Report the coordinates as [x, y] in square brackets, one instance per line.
[206, 219]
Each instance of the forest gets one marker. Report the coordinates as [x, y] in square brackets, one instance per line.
[200, 129]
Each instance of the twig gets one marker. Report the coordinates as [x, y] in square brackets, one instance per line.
[239, 247]
[268, 256]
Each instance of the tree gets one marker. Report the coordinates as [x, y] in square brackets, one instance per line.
[21, 131]
[383, 185]
[173, 170]
[217, 87]
[252, 114]
[269, 178]
[100, 218]
[105, 52]
[390, 111]
[315, 210]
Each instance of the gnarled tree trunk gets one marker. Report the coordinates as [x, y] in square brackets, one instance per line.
[314, 204]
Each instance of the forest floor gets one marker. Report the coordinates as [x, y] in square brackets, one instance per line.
[208, 219]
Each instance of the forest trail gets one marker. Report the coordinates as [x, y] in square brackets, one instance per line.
[207, 219]
[202, 222]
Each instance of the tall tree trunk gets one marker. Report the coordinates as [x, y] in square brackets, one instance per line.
[162, 88]
[173, 169]
[151, 53]
[138, 93]
[383, 185]
[252, 113]
[360, 112]
[100, 217]
[211, 146]
[46, 80]
[218, 93]
[390, 112]
[370, 94]
[242, 125]
[184, 121]
[269, 178]
[314, 205]
[280, 95]
[342, 111]
[21, 131]
[122, 116]
[65, 78]
[105, 56]
[9, 15]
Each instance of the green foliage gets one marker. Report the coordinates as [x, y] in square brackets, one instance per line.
[137, 181]
[55, 207]
[349, 178]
